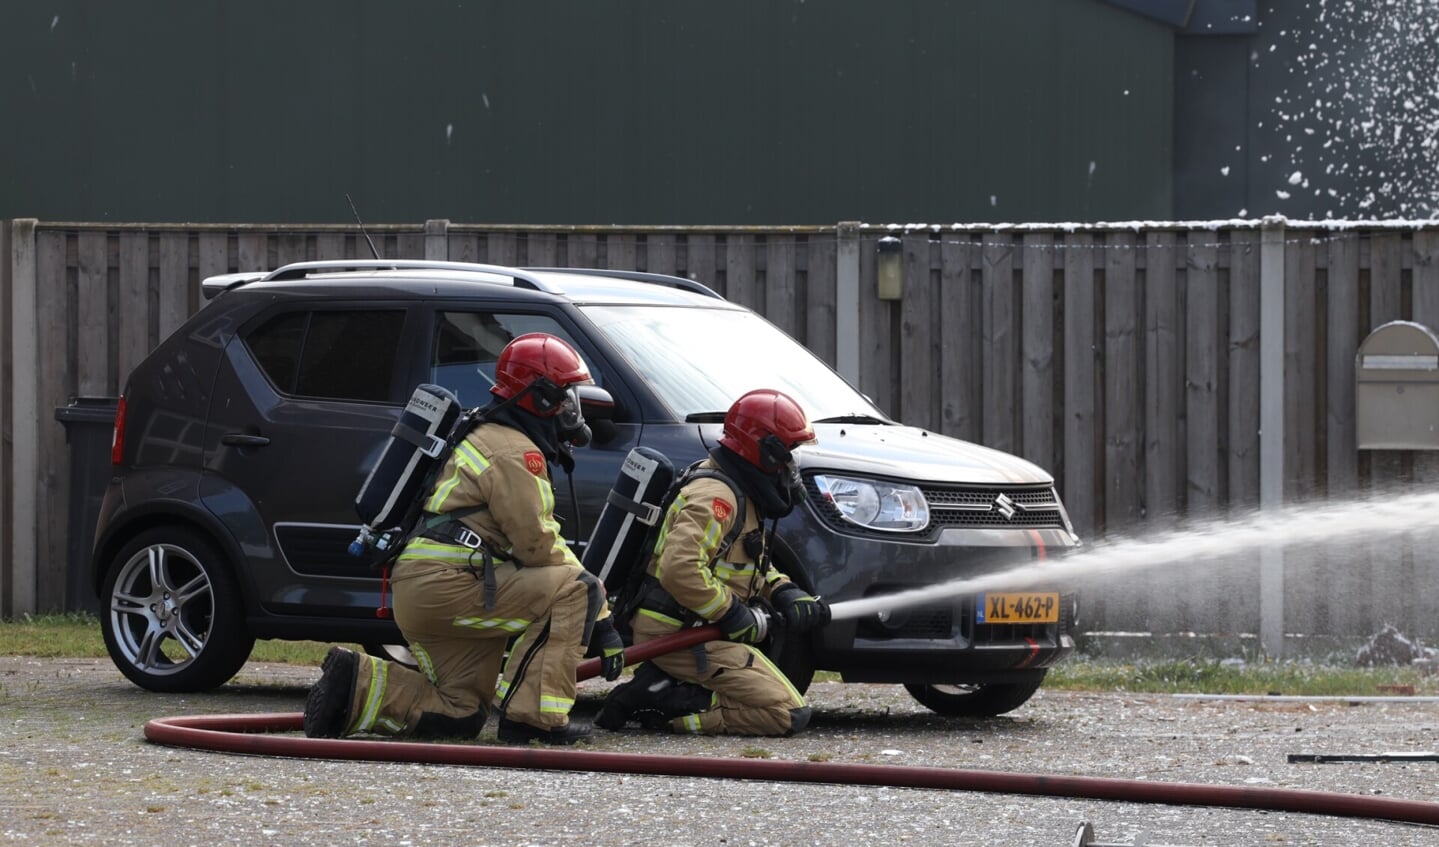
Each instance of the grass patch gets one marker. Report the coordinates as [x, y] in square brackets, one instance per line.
[1211, 676]
[73, 635]
[293, 652]
[76, 635]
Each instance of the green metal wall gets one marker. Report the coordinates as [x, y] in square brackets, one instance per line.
[608, 111]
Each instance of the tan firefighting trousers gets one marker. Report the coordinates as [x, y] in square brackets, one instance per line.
[459, 644]
[752, 696]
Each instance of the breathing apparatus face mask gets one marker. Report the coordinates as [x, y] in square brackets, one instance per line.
[570, 422]
[774, 454]
[562, 404]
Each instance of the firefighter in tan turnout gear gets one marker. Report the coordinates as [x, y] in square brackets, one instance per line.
[724, 687]
[497, 569]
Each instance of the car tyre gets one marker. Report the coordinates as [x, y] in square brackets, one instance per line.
[173, 620]
[793, 654]
[982, 700]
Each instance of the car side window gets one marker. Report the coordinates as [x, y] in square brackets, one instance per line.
[330, 353]
[275, 344]
[467, 344]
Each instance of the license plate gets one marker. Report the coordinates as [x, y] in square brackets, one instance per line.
[1018, 607]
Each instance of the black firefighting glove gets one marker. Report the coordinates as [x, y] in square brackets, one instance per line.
[744, 624]
[801, 611]
[606, 643]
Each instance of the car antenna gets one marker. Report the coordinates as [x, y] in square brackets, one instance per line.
[362, 225]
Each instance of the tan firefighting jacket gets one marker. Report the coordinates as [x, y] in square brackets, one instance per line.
[685, 560]
[500, 468]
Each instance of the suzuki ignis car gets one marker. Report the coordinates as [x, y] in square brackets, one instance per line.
[243, 438]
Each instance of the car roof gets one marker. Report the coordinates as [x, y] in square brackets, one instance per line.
[583, 286]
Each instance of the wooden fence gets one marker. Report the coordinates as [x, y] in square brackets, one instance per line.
[1127, 360]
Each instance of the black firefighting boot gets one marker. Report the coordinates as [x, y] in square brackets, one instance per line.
[652, 698]
[515, 732]
[626, 698]
[327, 708]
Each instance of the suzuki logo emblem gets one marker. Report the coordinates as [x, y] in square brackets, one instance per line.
[1004, 506]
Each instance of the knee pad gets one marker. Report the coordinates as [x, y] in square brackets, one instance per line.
[435, 725]
[798, 720]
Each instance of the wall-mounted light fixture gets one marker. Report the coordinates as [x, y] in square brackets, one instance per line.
[891, 269]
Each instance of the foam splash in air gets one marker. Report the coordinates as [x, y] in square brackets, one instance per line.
[1356, 124]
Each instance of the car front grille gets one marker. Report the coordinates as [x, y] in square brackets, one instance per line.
[1031, 507]
[1012, 633]
[928, 624]
[962, 507]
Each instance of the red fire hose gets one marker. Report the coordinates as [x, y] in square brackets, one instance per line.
[250, 734]
[590, 668]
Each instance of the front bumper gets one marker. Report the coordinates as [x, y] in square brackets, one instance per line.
[942, 642]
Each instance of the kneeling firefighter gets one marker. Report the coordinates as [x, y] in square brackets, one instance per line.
[723, 687]
[487, 563]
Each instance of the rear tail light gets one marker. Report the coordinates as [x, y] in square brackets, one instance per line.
[117, 440]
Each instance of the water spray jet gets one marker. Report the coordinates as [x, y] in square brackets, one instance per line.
[1202, 541]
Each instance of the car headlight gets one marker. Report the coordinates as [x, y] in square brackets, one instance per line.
[875, 504]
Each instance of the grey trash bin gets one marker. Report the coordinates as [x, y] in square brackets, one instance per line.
[89, 427]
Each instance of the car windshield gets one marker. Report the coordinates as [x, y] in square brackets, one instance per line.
[699, 360]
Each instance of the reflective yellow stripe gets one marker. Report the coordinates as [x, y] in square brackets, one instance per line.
[502, 689]
[652, 614]
[778, 674]
[379, 678]
[668, 523]
[556, 705]
[424, 662]
[709, 609]
[437, 551]
[509, 625]
[466, 455]
[731, 572]
[547, 519]
[692, 724]
[707, 546]
[547, 495]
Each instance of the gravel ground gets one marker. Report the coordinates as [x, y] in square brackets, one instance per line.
[75, 769]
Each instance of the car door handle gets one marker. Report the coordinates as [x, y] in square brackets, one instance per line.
[243, 439]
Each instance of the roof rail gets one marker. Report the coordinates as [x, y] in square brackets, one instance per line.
[523, 277]
[640, 276]
[299, 270]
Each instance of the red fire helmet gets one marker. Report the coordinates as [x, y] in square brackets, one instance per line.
[538, 357]
[763, 426]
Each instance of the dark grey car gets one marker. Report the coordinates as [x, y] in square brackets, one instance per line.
[242, 440]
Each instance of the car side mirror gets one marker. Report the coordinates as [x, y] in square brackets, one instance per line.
[598, 407]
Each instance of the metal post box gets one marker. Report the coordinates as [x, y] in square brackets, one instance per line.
[1396, 393]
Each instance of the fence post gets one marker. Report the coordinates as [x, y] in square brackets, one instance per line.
[1271, 428]
[437, 240]
[24, 407]
[846, 305]
[7, 485]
